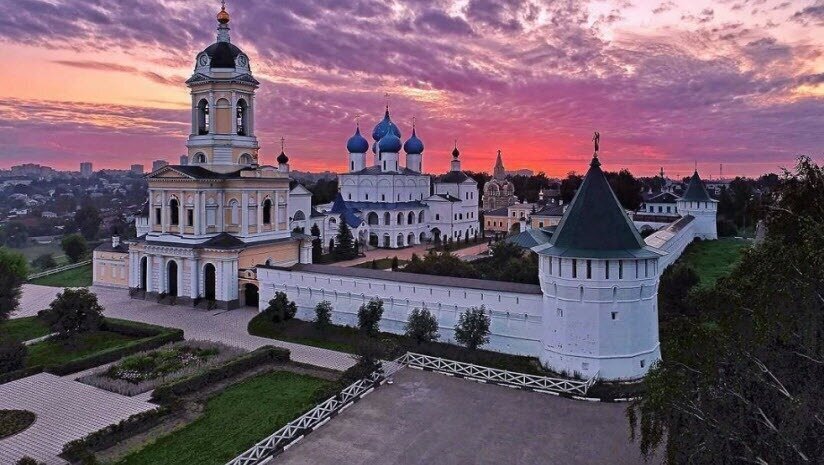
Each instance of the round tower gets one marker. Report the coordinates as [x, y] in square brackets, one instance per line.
[414, 151]
[357, 146]
[600, 286]
[697, 203]
[389, 147]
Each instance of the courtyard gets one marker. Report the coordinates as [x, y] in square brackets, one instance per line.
[428, 418]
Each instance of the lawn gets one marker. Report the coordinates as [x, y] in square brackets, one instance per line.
[714, 259]
[233, 421]
[24, 329]
[77, 277]
[35, 250]
[54, 352]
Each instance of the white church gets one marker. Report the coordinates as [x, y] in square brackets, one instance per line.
[221, 232]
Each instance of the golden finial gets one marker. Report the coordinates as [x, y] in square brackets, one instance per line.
[386, 96]
[223, 15]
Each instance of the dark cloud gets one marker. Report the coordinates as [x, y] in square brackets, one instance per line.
[810, 15]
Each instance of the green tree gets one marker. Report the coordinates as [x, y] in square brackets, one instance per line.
[317, 243]
[12, 355]
[676, 283]
[472, 329]
[74, 312]
[422, 326]
[88, 221]
[75, 247]
[369, 317]
[740, 375]
[323, 315]
[281, 308]
[345, 249]
[627, 189]
[570, 185]
[44, 262]
[14, 234]
[395, 264]
[13, 273]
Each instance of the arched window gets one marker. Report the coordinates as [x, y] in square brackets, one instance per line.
[299, 216]
[245, 159]
[267, 211]
[410, 219]
[372, 218]
[387, 219]
[174, 211]
[420, 217]
[400, 218]
[234, 212]
[200, 157]
[242, 117]
[203, 117]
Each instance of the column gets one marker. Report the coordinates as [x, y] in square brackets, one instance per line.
[212, 115]
[197, 214]
[195, 115]
[220, 220]
[164, 220]
[244, 213]
[150, 287]
[194, 292]
[233, 280]
[259, 210]
[234, 113]
[251, 117]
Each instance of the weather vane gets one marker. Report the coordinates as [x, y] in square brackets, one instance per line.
[596, 138]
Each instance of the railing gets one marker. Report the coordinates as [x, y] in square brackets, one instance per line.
[511, 378]
[313, 418]
[59, 269]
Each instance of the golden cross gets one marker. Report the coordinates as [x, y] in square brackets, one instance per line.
[282, 141]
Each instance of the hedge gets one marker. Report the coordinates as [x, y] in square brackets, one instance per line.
[171, 391]
[111, 355]
[83, 449]
[19, 374]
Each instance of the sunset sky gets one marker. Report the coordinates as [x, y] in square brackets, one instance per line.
[738, 82]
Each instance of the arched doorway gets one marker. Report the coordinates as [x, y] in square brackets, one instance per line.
[172, 273]
[400, 240]
[209, 281]
[144, 272]
[250, 295]
[436, 235]
[373, 239]
[410, 240]
[386, 241]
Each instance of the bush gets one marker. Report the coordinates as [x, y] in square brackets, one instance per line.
[323, 315]
[13, 273]
[422, 326]
[14, 421]
[369, 317]
[395, 263]
[73, 312]
[12, 355]
[81, 450]
[281, 308]
[171, 391]
[44, 262]
[75, 247]
[726, 228]
[472, 329]
[29, 461]
[20, 374]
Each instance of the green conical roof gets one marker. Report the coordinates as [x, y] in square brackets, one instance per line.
[595, 224]
[696, 192]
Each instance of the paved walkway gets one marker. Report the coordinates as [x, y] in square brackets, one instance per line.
[66, 410]
[228, 327]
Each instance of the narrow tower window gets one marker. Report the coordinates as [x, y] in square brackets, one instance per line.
[589, 269]
[242, 117]
[174, 212]
[574, 268]
[203, 117]
[267, 211]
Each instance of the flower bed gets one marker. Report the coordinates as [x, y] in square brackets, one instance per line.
[14, 421]
[146, 370]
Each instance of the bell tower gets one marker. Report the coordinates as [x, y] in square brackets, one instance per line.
[222, 136]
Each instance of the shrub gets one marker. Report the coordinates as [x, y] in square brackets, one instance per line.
[422, 326]
[73, 312]
[44, 262]
[395, 263]
[12, 355]
[323, 315]
[171, 391]
[81, 450]
[75, 247]
[29, 461]
[14, 421]
[281, 308]
[13, 273]
[726, 228]
[472, 329]
[369, 317]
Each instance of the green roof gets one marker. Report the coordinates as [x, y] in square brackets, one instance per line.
[595, 224]
[696, 192]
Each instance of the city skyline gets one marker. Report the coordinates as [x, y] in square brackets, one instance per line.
[739, 83]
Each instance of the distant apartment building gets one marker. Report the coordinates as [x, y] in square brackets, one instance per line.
[157, 164]
[136, 169]
[86, 169]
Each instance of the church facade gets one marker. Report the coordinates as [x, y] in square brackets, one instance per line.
[499, 192]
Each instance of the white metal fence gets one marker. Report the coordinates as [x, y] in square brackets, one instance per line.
[323, 412]
[493, 375]
[59, 269]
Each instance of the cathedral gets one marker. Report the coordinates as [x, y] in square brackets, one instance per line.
[394, 206]
[498, 192]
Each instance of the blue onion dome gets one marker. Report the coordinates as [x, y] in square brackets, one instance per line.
[391, 142]
[357, 143]
[282, 158]
[413, 145]
[385, 126]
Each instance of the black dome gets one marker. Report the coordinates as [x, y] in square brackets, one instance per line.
[222, 54]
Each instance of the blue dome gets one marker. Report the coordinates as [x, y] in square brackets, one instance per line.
[413, 145]
[384, 126]
[357, 143]
[390, 143]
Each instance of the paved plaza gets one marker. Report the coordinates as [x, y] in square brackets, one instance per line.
[66, 410]
[427, 418]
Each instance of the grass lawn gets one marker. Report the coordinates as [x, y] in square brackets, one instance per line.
[24, 329]
[713, 259]
[381, 264]
[233, 421]
[77, 277]
[35, 250]
[53, 352]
